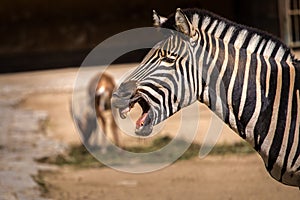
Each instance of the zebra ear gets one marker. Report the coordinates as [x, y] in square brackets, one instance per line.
[158, 20]
[183, 24]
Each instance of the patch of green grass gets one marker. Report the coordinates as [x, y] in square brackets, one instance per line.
[79, 156]
[156, 144]
[193, 150]
[237, 148]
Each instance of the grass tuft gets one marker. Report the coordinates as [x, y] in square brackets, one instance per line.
[79, 156]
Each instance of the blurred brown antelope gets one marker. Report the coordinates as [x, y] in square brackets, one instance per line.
[100, 90]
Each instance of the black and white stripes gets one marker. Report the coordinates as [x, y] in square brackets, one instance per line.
[247, 77]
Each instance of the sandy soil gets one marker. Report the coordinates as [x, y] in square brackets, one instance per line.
[212, 178]
[215, 177]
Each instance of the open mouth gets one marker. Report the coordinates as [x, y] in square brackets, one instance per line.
[144, 120]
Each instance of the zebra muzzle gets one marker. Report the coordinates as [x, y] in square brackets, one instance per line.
[126, 102]
[124, 111]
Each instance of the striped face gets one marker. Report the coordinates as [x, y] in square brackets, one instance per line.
[164, 82]
[161, 84]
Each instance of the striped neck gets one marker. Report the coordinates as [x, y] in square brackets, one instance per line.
[242, 71]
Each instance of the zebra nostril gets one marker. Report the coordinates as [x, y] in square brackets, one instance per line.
[115, 95]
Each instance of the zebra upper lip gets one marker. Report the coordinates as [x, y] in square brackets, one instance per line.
[125, 98]
[132, 101]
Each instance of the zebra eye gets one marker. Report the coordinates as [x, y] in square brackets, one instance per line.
[169, 59]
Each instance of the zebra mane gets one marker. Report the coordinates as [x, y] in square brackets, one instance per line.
[207, 17]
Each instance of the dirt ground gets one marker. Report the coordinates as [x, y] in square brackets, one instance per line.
[214, 177]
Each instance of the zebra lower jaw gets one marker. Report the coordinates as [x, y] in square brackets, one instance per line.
[144, 124]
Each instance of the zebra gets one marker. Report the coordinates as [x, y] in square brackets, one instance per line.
[249, 78]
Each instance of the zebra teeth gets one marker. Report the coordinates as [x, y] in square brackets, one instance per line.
[124, 112]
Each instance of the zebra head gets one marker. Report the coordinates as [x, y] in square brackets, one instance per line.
[165, 80]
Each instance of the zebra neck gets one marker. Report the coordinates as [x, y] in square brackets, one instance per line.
[251, 81]
[240, 70]
[297, 65]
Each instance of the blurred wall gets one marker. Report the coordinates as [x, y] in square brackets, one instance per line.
[42, 34]
[262, 14]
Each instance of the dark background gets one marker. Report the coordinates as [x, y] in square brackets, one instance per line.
[45, 34]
